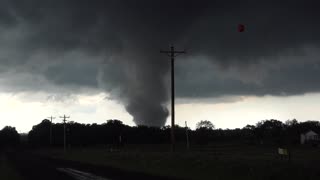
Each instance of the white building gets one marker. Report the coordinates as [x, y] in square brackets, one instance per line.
[309, 136]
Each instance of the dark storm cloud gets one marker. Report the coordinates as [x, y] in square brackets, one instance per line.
[271, 29]
[64, 42]
[62, 75]
[292, 75]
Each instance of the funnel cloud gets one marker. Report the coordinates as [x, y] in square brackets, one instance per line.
[82, 46]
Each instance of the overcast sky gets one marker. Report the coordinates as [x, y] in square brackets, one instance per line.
[99, 59]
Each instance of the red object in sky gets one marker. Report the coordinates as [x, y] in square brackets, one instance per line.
[240, 28]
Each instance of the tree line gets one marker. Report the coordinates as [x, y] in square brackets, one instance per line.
[115, 133]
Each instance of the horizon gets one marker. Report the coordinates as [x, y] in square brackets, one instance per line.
[287, 108]
[215, 128]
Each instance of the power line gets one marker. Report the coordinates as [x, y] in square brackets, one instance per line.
[172, 54]
[64, 117]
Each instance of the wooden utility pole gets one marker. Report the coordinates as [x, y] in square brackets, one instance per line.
[51, 129]
[172, 54]
[64, 117]
[187, 136]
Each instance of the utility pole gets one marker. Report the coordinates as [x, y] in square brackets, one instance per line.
[64, 117]
[51, 129]
[187, 136]
[172, 54]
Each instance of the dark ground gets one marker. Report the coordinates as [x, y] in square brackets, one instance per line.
[219, 161]
[33, 167]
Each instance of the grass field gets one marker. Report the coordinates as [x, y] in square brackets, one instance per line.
[7, 171]
[206, 162]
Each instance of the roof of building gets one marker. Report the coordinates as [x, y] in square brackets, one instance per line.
[310, 133]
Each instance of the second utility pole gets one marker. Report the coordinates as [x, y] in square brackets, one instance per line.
[172, 53]
[51, 130]
[64, 117]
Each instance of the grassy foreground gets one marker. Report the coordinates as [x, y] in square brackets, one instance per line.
[210, 162]
[7, 172]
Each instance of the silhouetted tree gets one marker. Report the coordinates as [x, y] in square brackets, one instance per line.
[205, 124]
[9, 137]
[270, 131]
[204, 132]
[40, 134]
